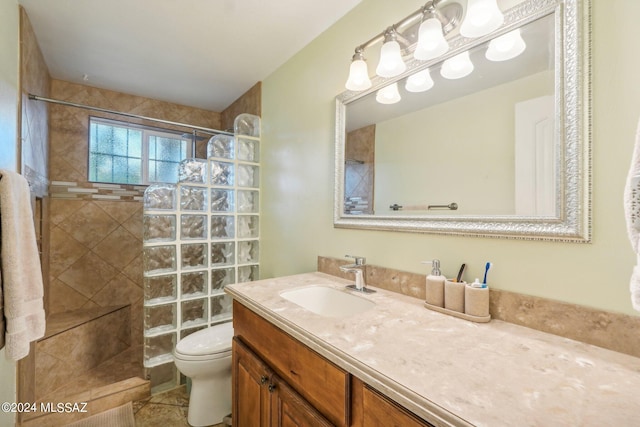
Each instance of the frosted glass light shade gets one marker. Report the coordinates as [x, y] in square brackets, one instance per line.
[388, 94]
[358, 76]
[506, 47]
[457, 67]
[431, 41]
[419, 82]
[391, 63]
[482, 17]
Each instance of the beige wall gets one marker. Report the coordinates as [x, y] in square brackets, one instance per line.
[9, 23]
[297, 176]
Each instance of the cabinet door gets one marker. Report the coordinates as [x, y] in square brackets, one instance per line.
[379, 411]
[289, 409]
[251, 378]
[321, 383]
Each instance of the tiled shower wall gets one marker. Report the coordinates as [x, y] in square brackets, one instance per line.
[96, 229]
[34, 121]
[33, 132]
[249, 103]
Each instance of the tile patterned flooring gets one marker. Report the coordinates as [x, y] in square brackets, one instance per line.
[165, 409]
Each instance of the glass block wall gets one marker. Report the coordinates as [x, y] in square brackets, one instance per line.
[199, 236]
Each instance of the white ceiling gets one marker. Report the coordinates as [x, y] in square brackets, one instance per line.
[200, 53]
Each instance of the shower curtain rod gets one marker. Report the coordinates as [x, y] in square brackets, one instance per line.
[135, 116]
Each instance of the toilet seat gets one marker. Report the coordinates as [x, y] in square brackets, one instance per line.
[207, 344]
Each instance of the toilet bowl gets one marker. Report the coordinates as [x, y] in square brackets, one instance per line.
[205, 357]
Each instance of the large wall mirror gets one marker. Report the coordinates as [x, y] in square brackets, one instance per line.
[502, 152]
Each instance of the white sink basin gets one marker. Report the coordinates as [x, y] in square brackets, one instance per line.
[327, 301]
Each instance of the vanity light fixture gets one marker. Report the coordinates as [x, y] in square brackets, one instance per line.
[358, 73]
[457, 67]
[419, 82]
[436, 22]
[431, 41]
[391, 63]
[388, 94]
[506, 47]
[482, 17]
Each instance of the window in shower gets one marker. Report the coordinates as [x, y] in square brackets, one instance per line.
[123, 153]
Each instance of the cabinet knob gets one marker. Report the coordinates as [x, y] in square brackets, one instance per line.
[272, 387]
[264, 379]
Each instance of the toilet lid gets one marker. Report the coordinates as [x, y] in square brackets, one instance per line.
[216, 339]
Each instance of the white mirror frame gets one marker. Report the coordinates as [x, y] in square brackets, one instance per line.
[573, 107]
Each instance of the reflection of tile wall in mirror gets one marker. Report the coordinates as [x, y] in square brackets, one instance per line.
[359, 170]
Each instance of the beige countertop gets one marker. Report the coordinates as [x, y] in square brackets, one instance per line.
[454, 372]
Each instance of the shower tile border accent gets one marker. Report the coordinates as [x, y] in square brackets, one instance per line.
[95, 191]
[613, 331]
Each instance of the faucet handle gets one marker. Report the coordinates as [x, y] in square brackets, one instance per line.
[360, 260]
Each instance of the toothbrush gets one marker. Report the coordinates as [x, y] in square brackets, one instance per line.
[486, 270]
[459, 277]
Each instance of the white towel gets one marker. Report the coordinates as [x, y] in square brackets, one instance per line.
[631, 210]
[21, 273]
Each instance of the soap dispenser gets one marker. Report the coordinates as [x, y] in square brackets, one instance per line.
[435, 285]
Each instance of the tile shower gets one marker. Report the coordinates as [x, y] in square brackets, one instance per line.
[199, 235]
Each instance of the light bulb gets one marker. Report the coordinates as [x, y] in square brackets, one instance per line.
[391, 63]
[419, 82]
[506, 47]
[482, 17]
[457, 67]
[358, 76]
[431, 41]
[388, 94]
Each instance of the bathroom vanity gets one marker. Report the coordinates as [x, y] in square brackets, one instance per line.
[264, 386]
[398, 363]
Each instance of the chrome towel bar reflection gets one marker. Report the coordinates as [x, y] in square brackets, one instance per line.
[396, 207]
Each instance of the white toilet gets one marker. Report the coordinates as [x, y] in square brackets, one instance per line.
[205, 357]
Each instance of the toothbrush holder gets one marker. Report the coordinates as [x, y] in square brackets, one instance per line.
[476, 301]
[454, 295]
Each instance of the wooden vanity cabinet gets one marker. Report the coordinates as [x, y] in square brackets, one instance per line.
[278, 381]
[321, 385]
[262, 399]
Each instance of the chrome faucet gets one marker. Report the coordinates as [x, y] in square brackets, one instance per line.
[358, 269]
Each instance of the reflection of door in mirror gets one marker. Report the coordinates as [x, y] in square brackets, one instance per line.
[535, 158]
[359, 171]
